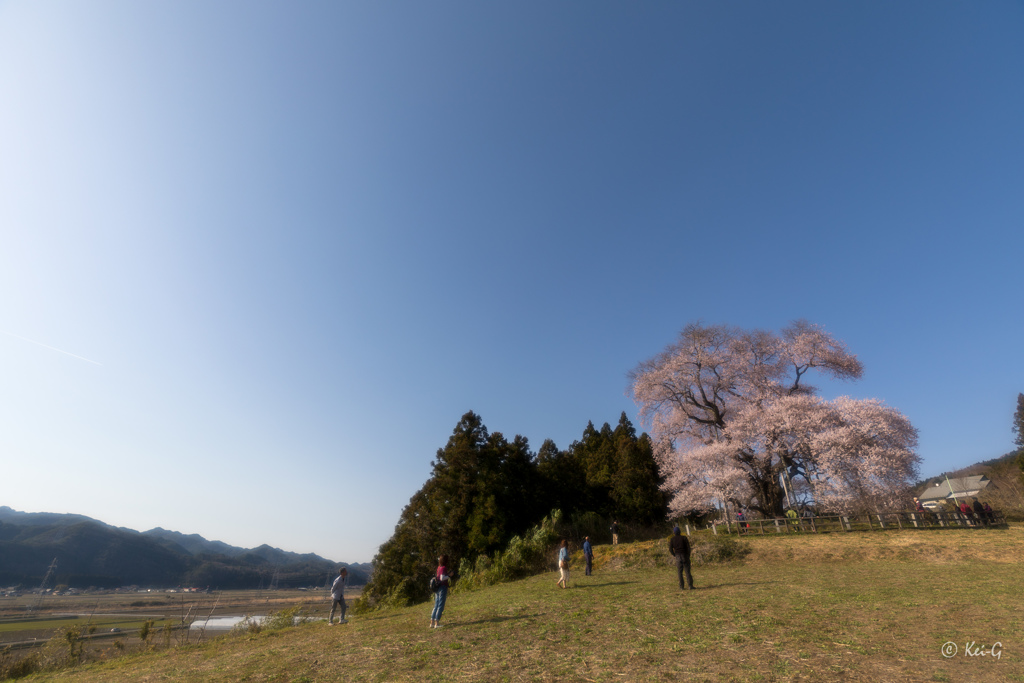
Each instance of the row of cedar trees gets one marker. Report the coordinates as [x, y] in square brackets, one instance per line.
[485, 489]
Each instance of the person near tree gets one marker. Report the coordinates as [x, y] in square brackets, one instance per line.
[588, 555]
[679, 547]
[563, 564]
[441, 596]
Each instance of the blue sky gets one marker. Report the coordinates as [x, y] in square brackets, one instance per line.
[257, 259]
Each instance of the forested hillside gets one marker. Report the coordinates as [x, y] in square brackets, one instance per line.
[91, 553]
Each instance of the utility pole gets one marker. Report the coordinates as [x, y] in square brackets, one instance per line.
[951, 491]
[49, 573]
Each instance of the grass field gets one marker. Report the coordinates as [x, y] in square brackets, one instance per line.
[25, 618]
[852, 607]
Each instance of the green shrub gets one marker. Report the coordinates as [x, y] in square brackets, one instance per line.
[403, 594]
[275, 621]
[523, 556]
[63, 650]
[12, 666]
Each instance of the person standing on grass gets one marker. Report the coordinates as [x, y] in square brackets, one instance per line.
[679, 547]
[563, 564]
[588, 555]
[965, 510]
[614, 528]
[441, 596]
[979, 511]
[338, 597]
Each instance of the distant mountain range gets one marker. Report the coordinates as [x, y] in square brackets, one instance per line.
[92, 553]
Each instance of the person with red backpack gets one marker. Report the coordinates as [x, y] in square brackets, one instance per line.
[441, 595]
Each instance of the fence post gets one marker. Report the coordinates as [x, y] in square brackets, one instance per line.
[714, 527]
[687, 529]
[760, 526]
[899, 523]
[846, 523]
[777, 530]
[913, 518]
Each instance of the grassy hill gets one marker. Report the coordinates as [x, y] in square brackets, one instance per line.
[852, 607]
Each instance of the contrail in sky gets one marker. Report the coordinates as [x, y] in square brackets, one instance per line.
[68, 353]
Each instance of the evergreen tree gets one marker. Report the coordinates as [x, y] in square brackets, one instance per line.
[482, 491]
[636, 489]
[561, 479]
[594, 454]
[620, 475]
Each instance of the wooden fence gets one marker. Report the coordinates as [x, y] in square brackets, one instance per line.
[874, 522]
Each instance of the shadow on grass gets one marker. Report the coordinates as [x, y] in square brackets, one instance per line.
[713, 586]
[601, 585]
[494, 620]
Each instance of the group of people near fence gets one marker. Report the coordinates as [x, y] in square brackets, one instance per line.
[973, 512]
[976, 511]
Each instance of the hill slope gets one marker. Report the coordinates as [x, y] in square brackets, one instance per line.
[792, 611]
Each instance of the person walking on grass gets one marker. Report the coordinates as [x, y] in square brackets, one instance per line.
[588, 555]
[338, 597]
[563, 564]
[614, 528]
[679, 547]
[441, 596]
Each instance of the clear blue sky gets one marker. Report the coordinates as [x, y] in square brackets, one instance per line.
[257, 259]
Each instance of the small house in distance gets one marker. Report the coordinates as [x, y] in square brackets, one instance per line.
[960, 488]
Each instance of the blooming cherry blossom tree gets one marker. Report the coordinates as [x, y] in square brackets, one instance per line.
[733, 418]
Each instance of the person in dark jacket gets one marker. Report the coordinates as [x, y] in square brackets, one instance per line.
[588, 555]
[679, 547]
[979, 511]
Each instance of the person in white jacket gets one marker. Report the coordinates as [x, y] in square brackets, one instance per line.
[338, 597]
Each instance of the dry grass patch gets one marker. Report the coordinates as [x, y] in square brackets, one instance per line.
[926, 545]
